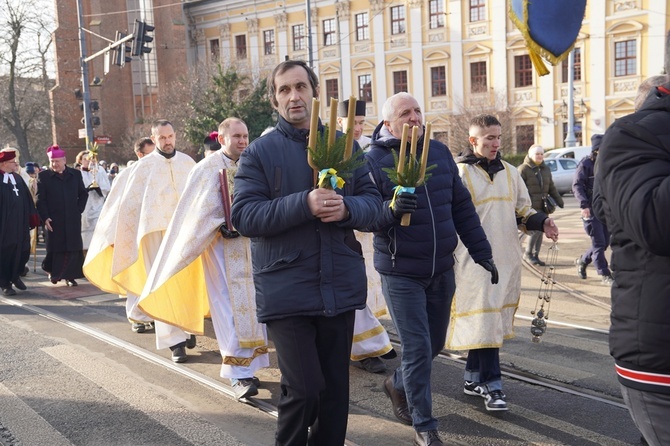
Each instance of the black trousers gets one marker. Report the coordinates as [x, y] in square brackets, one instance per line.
[313, 354]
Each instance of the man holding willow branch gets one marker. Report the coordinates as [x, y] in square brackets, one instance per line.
[308, 273]
[416, 261]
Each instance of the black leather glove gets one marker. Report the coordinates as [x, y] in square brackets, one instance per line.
[405, 203]
[489, 266]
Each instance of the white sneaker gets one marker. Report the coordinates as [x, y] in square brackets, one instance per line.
[474, 389]
[495, 400]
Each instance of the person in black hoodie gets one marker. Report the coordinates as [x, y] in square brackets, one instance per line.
[632, 196]
[582, 187]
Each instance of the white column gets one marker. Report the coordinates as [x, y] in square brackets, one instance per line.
[345, 49]
[597, 62]
[379, 83]
[658, 26]
[499, 37]
[416, 39]
[455, 24]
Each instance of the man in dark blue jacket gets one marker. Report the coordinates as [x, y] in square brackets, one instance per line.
[416, 262]
[309, 273]
[582, 187]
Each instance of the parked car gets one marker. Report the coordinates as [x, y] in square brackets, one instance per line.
[576, 153]
[562, 172]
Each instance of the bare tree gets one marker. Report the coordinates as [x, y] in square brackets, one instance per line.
[460, 123]
[24, 100]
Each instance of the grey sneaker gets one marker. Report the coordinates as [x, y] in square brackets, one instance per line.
[244, 387]
[495, 400]
[474, 389]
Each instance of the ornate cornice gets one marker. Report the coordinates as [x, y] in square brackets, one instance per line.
[281, 19]
[224, 30]
[342, 8]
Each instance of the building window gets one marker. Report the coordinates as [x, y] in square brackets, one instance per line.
[269, 41]
[577, 129]
[436, 14]
[241, 46]
[299, 37]
[478, 82]
[365, 87]
[477, 10]
[525, 137]
[578, 66]
[397, 19]
[214, 50]
[625, 58]
[329, 32]
[332, 89]
[362, 26]
[438, 78]
[399, 81]
[523, 71]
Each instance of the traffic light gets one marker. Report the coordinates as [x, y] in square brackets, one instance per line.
[140, 38]
[121, 56]
[95, 121]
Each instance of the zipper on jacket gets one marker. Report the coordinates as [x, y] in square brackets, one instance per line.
[432, 219]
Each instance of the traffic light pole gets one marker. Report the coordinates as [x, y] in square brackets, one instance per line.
[85, 87]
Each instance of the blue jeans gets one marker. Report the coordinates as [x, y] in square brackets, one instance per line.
[420, 311]
[599, 242]
[483, 367]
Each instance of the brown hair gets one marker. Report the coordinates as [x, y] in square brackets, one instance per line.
[285, 66]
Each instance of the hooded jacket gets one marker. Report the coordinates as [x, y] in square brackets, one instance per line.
[631, 197]
[444, 213]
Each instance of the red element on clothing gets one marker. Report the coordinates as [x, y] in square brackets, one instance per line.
[33, 221]
[643, 377]
[662, 89]
[7, 156]
[214, 136]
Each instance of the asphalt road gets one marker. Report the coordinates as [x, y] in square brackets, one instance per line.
[73, 373]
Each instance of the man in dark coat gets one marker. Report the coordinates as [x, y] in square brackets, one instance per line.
[61, 199]
[632, 197]
[17, 216]
[582, 187]
[308, 274]
[416, 261]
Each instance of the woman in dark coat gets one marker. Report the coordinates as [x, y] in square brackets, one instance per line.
[61, 199]
[540, 184]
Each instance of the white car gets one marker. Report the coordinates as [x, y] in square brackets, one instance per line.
[576, 153]
[562, 172]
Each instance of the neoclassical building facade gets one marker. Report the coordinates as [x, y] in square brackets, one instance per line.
[452, 55]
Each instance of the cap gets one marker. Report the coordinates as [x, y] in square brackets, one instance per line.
[55, 152]
[211, 142]
[595, 142]
[343, 108]
[30, 168]
[7, 155]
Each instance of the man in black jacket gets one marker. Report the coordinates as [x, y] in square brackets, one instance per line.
[61, 199]
[416, 262]
[308, 274]
[632, 196]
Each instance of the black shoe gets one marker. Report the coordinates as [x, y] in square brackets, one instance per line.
[25, 271]
[539, 262]
[179, 353]
[256, 381]
[429, 438]
[390, 355]
[581, 268]
[71, 282]
[398, 401]
[8, 291]
[138, 327]
[244, 387]
[372, 365]
[190, 342]
[18, 283]
[606, 279]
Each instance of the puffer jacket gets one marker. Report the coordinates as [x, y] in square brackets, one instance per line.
[444, 212]
[301, 266]
[632, 197]
[539, 183]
